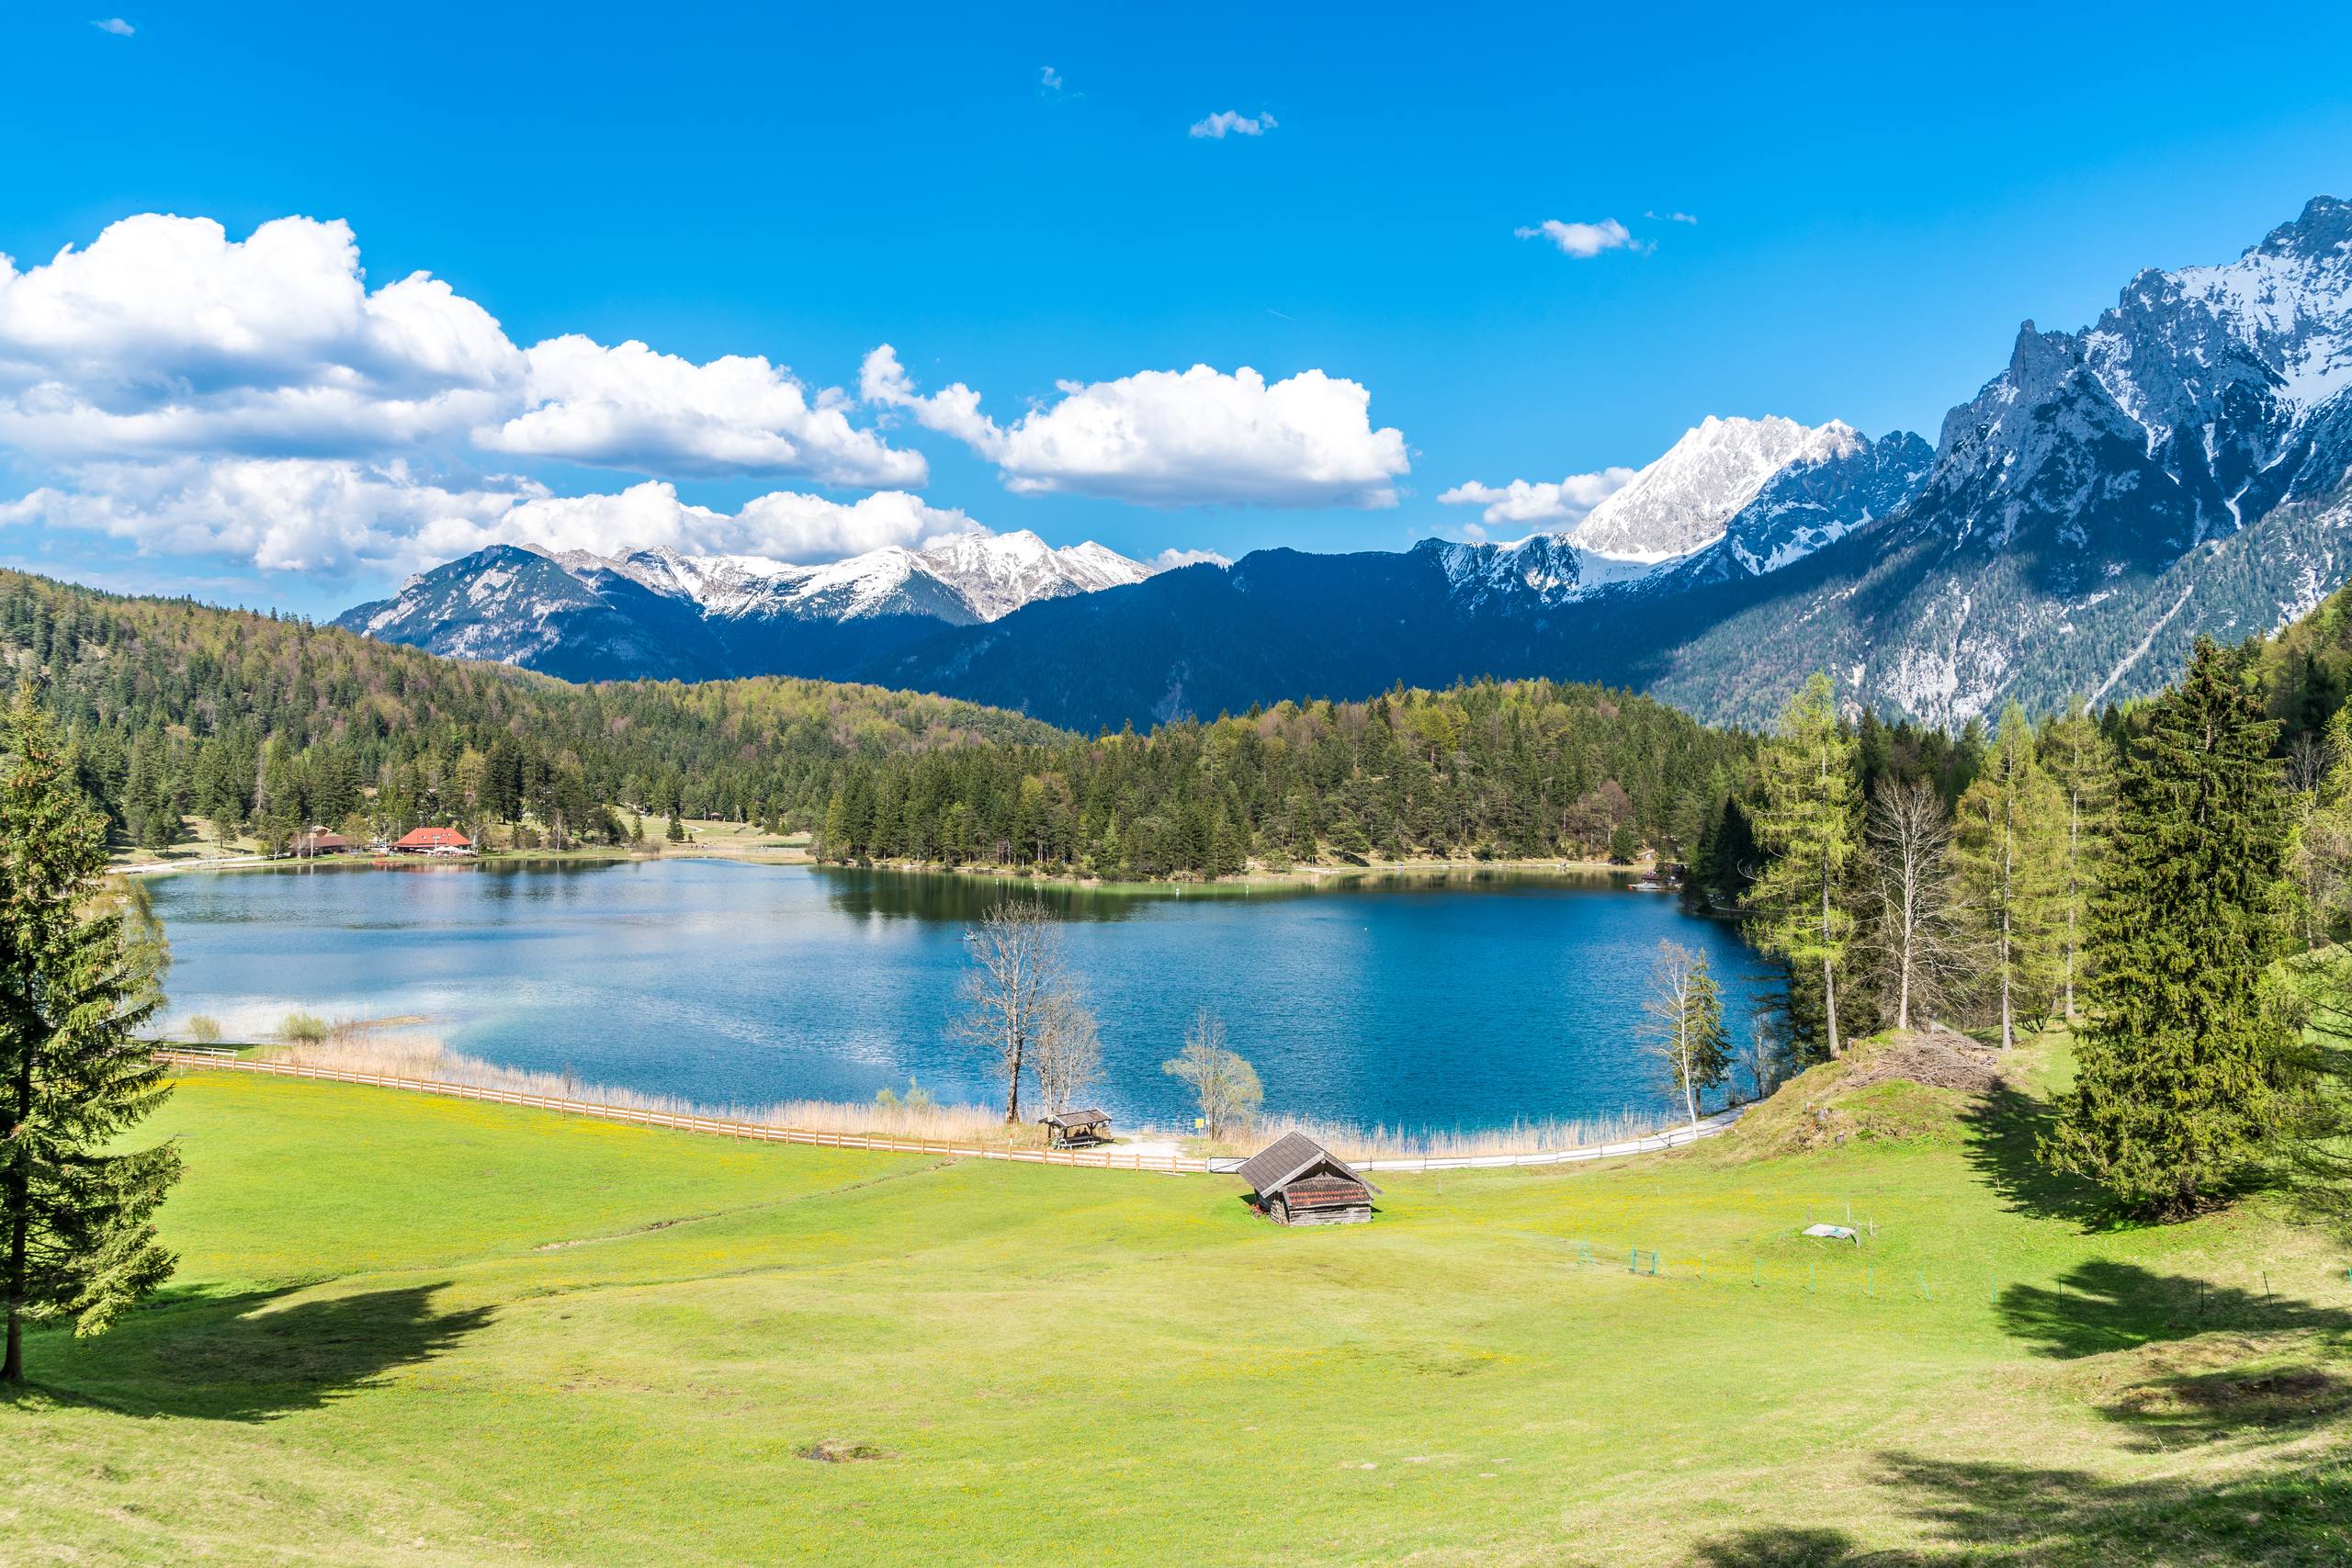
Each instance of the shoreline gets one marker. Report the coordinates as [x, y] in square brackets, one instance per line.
[1167, 1156]
[1296, 877]
[1303, 878]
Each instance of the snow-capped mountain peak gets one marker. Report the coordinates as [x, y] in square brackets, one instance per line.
[1683, 501]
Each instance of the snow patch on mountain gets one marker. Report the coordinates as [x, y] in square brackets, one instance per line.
[1682, 501]
[964, 578]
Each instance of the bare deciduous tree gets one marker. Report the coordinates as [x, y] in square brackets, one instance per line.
[1067, 1055]
[1916, 934]
[1018, 991]
[1227, 1086]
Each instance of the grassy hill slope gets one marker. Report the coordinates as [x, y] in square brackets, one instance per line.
[415, 1331]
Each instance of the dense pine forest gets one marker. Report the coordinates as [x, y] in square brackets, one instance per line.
[1488, 770]
[264, 723]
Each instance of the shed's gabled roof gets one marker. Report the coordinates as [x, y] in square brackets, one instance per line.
[1282, 1160]
[1078, 1118]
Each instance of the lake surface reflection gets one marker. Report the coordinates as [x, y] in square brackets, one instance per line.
[1421, 1002]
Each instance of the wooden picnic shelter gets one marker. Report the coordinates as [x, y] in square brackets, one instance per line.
[1070, 1129]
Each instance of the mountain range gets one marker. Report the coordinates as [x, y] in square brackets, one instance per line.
[2181, 465]
[662, 613]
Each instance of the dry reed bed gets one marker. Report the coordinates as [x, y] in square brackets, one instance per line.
[368, 1048]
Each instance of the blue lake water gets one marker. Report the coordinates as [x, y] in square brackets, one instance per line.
[1419, 1002]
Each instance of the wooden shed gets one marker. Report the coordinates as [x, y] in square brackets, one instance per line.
[1066, 1129]
[1300, 1182]
[322, 842]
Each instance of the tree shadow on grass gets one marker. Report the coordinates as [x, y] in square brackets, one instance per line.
[1782, 1546]
[2270, 1403]
[244, 1357]
[1980, 1513]
[2007, 1127]
[2101, 1306]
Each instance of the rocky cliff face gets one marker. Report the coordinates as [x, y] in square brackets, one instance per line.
[2177, 467]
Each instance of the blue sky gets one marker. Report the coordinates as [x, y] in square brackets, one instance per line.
[1880, 198]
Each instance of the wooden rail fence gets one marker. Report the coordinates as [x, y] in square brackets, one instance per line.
[760, 1132]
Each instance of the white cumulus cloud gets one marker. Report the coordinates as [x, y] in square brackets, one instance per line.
[1672, 218]
[1174, 438]
[1539, 502]
[1581, 238]
[114, 25]
[1224, 123]
[165, 334]
[628, 407]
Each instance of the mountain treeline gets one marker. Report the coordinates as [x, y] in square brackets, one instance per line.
[1488, 770]
[266, 724]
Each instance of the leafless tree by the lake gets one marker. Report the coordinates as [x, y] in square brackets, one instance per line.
[1018, 992]
[1067, 1053]
[1917, 933]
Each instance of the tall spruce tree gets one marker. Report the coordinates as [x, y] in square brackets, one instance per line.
[2080, 760]
[76, 979]
[2010, 849]
[1807, 795]
[2187, 1030]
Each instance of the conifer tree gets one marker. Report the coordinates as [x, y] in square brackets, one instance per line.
[2081, 762]
[76, 979]
[1806, 793]
[2010, 849]
[2187, 1032]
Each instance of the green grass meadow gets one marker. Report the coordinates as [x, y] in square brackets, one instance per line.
[408, 1330]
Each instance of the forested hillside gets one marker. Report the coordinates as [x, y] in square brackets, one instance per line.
[1485, 770]
[249, 720]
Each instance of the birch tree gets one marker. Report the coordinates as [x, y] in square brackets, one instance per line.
[1067, 1055]
[1683, 1025]
[1917, 927]
[1018, 991]
[1804, 820]
[2011, 853]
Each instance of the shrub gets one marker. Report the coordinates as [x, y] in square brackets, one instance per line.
[204, 1029]
[302, 1029]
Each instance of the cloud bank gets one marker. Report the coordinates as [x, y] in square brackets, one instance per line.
[1540, 504]
[338, 516]
[1196, 438]
[192, 393]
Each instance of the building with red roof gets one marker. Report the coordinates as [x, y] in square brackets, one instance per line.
[432, 842]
